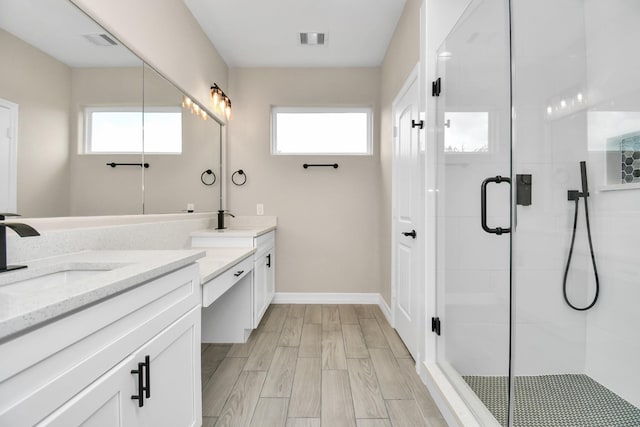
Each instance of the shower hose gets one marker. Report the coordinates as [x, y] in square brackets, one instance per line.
[593, 258]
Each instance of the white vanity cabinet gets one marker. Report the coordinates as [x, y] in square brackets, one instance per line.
[264, 275]
[264, 262]
[84, 368]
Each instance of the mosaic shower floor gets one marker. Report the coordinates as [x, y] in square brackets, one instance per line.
[556, 401]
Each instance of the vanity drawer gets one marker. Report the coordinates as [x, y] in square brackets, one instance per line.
[264, 243]
[213, 289]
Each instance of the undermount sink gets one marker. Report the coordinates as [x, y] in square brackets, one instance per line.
[59, 277]
[53, 277]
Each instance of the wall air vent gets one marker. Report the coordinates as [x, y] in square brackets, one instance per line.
[312, 38]
[100, 39]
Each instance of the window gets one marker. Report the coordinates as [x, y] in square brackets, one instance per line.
[321, 131]
[466, 132]
[110, 130]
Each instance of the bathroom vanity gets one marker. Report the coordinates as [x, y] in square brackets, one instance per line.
[104, 338]
[250, 300]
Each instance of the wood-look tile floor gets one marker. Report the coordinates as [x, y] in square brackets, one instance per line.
[316, 365]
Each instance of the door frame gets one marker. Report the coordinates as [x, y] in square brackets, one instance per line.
[413, 77]
[13, 156]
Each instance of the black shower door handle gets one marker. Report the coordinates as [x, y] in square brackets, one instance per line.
[483, 204]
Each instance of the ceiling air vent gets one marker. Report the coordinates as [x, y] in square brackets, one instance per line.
[100, 39]
[312, 38]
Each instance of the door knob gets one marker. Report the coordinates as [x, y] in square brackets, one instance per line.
[411, 233]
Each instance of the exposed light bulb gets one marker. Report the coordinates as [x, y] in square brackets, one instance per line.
[186, 102]
[227, 111]
[223, 104]
[549, 110]
[215, 98]
[580, 97]
[203, 114]
[563, 103]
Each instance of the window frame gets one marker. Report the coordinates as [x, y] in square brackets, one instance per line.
[87, 117]
[368, 110]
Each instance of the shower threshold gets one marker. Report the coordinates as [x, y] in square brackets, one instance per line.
[568, 400]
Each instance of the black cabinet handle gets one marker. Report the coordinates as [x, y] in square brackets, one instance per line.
[411, 233]
[269, 260]
[139, 397]
[147, 376]
[483, 204]
[238, 273]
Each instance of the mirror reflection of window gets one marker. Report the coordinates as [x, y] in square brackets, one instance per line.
[118, 130]
[466, 132]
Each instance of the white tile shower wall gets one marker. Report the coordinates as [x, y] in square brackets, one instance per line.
[158, 232]
[549, 336]
[613, 342]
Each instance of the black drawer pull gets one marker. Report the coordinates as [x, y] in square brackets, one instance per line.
[147, 376]
[269, 260]
[238, 273]
[139, 397]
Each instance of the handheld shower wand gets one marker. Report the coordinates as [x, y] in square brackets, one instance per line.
[576, 195]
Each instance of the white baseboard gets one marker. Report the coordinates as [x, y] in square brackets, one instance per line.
[327, 298]
[386, 310]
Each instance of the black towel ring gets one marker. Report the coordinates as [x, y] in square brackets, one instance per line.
[208, 172]
[241, 173]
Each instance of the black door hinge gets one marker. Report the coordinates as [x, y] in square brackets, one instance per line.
[436, 87]
[419, 124]
[435, 325]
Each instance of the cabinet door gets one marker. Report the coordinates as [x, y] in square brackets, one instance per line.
[174, 376]
[259, 289]
[174, 385]
[105, 403]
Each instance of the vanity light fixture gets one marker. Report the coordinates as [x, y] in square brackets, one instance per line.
[188, 104]
[220, 101]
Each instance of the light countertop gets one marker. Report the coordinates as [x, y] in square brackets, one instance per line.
[24, 305]
[218, 260]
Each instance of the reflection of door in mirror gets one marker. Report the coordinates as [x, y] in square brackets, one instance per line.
[180, 147]
[8, 151]
[61, 62]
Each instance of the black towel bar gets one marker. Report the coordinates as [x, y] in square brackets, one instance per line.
[332, 165]
[113, 164]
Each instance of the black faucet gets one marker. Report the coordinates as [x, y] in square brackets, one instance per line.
[221, 215]
[23, 230]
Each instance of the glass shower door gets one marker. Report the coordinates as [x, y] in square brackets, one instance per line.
[474, 165]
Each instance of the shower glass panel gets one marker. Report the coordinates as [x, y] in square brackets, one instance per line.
[473, 271]
[547, 96]
[576, 97]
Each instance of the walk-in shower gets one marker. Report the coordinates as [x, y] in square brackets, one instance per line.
[539, 320]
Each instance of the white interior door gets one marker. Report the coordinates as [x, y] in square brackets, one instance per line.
[8, 155]
[406, 208]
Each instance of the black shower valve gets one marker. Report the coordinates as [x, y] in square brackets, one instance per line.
[573, 195]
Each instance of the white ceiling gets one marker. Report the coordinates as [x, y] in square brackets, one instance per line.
[56, 27]
[265, 33]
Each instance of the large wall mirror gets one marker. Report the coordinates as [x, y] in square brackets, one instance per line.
[74, 100]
